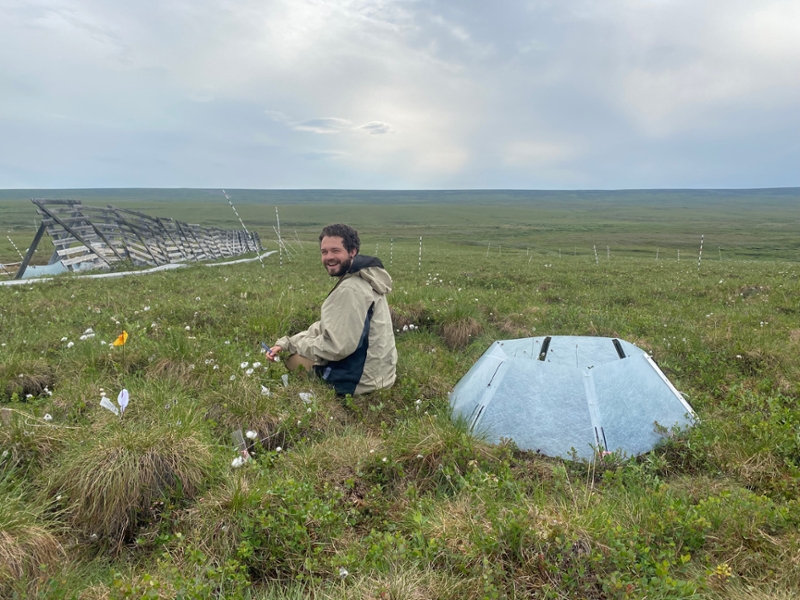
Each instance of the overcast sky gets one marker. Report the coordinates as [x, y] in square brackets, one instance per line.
[400, 94]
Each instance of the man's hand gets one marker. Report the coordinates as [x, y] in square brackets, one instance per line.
[272, 353]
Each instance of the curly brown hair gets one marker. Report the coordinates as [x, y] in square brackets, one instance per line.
[349, 236]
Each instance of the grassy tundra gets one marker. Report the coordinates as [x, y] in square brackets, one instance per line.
[383, 496]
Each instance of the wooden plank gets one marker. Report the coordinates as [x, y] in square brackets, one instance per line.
[48, 201]
[31, 249]
[73, 250]
[135, 231]
[69, 251]
[70, 230]
[67, 262]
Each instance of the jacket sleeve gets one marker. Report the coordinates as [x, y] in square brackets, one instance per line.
[289, 343]
[337, 333]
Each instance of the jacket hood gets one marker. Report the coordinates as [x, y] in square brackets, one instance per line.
[370, 269]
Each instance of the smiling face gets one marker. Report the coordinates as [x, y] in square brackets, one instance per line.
[336, 259]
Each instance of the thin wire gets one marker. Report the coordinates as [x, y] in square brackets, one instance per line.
[258, 252]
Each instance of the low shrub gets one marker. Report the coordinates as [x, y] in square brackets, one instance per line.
[281, 529]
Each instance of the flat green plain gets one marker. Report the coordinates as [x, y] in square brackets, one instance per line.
[745, 224]
[383, 496]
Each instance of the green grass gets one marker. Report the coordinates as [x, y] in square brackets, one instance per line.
[737, 224]
[385, 486]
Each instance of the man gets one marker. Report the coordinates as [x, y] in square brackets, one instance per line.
[352, 345]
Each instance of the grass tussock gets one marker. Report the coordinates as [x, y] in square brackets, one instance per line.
[459, 324]
[167, 368]
[737, 591]
[113, 482]
[27, 440]
[399, 583]
[26, 542]
[458, 334]
[408, 314]
[432, 452]
[250, 410]
[25, 379]
[333, 459]
[215, 523]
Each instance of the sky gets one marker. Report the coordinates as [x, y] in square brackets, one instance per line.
[400, 94]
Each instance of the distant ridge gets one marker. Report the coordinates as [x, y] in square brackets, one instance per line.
[314, 196]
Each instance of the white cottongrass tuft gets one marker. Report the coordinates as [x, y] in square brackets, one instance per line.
[48, 417]
[256, 365]
[251, 435]
[343, 572]
[70, 345]
[232, 378]
[244, 365]
[237, 462]
[249, 372]
[265, 390]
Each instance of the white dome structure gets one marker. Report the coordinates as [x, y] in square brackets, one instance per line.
[570, 397]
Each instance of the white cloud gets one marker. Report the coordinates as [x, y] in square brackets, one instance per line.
[681, 62]
[330, 125]
[326, 125]
[376, 128]
[396, 93]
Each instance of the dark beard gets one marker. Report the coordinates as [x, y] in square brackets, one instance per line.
[344, 267]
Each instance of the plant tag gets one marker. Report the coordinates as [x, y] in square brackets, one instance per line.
[238, 440]
[108, 405]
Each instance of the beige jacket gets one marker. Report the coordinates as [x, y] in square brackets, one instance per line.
[352, 345]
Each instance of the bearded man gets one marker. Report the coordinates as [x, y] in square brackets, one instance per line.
[352, 345]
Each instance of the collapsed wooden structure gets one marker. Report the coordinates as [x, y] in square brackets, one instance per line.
[89, 237]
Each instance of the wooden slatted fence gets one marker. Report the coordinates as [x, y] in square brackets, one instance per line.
[96, 237]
